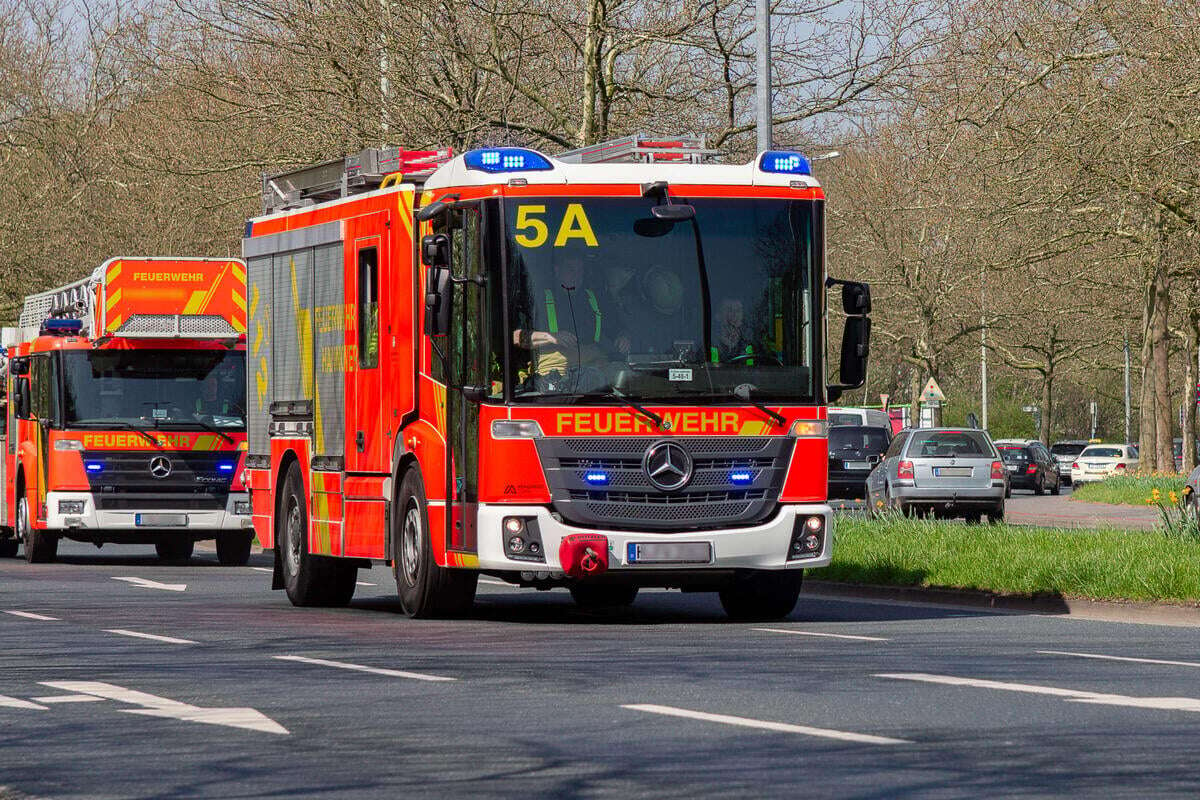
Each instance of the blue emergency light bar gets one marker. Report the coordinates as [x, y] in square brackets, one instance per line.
[506, 159]
[784, 162]
[95, 466]
[596, 478]
[226, 467]
[61, 327]
[741, 478]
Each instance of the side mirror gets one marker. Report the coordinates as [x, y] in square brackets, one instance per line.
[426, 213]
[435, 250]
[437, 301]
[856, 298]
[19, 365]
[856, 347]
[22, 409]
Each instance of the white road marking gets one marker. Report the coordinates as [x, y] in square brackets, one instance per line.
[392, 673]
[145, 584]
[364, 583]
[1120, 658]
[491, 582]
[154, 706]
[31, 615]
[68, 698]
[262, 569]
[1070, 695]
[782, 727]
[151, 636]
[12, 702]
[826, 635]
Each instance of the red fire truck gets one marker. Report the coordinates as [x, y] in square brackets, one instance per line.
[125, 419]
[603, 370]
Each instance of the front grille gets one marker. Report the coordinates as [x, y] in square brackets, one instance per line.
[629, 500]
[140, 501]
[125, 481]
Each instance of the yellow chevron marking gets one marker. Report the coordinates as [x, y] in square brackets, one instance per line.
[113, 299]
[753, 428]
[238, 300]
[115, 323]
[193, 303]
[469, 560]
[212, 290]
[113, 272]
[238, 272]
[238, 325]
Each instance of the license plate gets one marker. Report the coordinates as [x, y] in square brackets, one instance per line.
[161, 520]
[670, 553]
[1096, 467]
[1012, 467]
[952, 472]
[856, 465]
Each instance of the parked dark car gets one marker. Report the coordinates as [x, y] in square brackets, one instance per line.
[1030, 466]
[854, 450]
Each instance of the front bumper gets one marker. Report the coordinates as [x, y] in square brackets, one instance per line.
[762, 546]
[93, 519]
[937, 496]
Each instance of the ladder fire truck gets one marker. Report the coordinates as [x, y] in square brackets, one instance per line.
[603, 370]
[125, 419]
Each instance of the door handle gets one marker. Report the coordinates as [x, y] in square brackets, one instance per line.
[360, 441]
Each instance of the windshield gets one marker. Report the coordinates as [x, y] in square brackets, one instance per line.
[603, 295]
[844, 418]
[1013, 453]
[154, 388]
[861, 439]
[1067, 449]
[949, 444]
[1103, 452]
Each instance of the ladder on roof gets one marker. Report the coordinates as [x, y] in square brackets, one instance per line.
[73, 301]
[640, 148]
[341, 177]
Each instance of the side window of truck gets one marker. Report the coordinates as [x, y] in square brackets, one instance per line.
[39, 387]
[368, 307]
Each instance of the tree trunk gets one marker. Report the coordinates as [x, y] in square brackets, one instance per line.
[1163, 426]
[1189, 388]
[1146, 418]
[1047, 404]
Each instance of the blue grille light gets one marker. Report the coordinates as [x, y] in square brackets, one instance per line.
[596, 478]
[784, 162]
[226, 467]
[95, 466]
[506, 159]
[741, 477]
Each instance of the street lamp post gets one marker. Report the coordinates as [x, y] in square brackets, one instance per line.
[763, 28]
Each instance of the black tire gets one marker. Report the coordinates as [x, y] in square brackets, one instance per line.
[1057, 487]
[174, 550]
[996, 515]
[233, 549]
[973, 517]
[603, 595]
[41, 547]
[763, 595]
[9, 547]
[425, 589]
[1039, 487]
[308, 580]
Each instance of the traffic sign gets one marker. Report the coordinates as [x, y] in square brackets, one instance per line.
[932, 393]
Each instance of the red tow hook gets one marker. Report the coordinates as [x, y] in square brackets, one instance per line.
[584, 555]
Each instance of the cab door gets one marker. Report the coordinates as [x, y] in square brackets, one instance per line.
[367, 261]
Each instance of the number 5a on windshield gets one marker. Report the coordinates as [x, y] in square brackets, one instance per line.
[535, 232]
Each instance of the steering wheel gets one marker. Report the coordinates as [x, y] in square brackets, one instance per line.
[767, 357]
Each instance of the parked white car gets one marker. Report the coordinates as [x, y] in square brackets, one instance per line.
[871, 417]
[1100, 461]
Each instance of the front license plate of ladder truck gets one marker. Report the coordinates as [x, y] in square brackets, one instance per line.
[669, 553]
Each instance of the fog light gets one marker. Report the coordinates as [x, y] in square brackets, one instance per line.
[71, 506]
[815, 523]
[516, 545]
[514, 524]
[535, 548]
[812, 542]
[241, 508]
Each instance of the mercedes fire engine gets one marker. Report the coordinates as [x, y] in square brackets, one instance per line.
[603, 370]
[125, 419]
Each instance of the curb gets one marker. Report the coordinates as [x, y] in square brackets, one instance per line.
[1130, 611]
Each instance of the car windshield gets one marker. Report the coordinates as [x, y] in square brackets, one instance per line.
[1067, 449]
[1102, 452]
[1012, 453]
[154, 388]
[861, 439]
[844, 418]
[949, 444]
[602, 296]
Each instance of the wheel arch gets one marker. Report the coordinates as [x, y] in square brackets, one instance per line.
[285, 463]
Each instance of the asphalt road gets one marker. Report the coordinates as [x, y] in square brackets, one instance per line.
[245, 696]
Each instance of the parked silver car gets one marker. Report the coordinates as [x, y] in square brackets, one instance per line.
[950, 472]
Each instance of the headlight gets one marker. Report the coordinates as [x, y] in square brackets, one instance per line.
[241, 508]
[71, 506]
[810, 429]
[516, 429]
[68, 444]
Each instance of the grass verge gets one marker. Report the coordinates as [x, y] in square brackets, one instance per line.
[1132, 490]
[1008, 559]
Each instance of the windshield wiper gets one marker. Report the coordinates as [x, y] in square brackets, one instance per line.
[129, 426]
[743, 392]
[614, 394]
[207, 427]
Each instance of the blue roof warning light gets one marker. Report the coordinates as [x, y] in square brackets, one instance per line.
[506, 159]
[785, 163]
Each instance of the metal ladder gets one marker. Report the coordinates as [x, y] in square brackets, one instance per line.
[640, 148]
[73, 301]
[361, 172]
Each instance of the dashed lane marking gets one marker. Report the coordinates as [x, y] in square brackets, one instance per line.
[152, 636]
[147, 584]
[262, 569]
[13, 702]
[1120, 658]
[823, 635]
[765, 725]
[31, 615]
[392, 673]
[1070, 695]
[68, 698]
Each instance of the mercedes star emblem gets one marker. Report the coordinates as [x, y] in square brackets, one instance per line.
[667, 465]
[160, 466]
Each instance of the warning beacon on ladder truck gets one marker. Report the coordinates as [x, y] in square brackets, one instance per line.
[125, 419]
[602, 370]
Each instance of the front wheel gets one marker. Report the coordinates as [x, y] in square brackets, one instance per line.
[174, 550]
[762, 596]
[1057, 487]
[308, 580]
[41, 546]
[1039, 488]
[425, 589]
[603, 595]
[233, 549]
